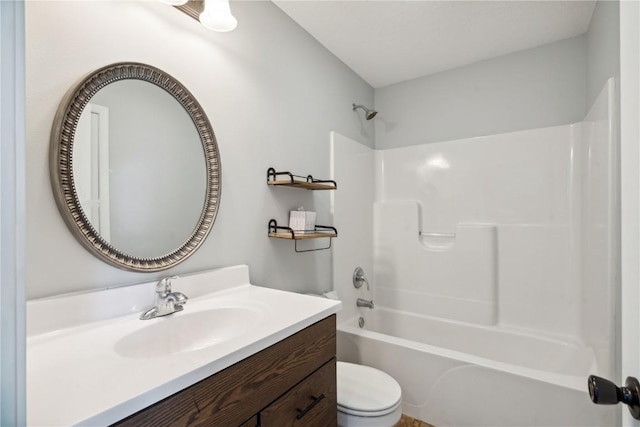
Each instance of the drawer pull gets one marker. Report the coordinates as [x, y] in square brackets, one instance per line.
[303, 412]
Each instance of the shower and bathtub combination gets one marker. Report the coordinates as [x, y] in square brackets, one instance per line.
[491, 262]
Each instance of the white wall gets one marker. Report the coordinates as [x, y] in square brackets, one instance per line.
[271, 92]
[603, 48]
[535, 88]
[546, 86]
[352, 205]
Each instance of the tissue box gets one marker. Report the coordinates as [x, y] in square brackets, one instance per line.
[302, 220]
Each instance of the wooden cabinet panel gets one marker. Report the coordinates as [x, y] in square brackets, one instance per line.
[233, 395]
[312, 403]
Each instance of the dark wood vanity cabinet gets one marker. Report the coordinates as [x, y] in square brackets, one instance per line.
[291, 383]
[310, 403]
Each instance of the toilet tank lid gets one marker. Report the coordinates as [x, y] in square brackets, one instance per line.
[363, 388]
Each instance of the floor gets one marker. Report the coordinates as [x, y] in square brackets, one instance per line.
[406, 421]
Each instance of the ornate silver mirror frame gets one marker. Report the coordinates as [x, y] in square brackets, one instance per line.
[61, 165]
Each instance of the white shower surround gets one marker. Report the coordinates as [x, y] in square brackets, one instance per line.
[518, 241]
[510, 205]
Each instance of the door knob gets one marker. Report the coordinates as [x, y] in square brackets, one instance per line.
[604, 392]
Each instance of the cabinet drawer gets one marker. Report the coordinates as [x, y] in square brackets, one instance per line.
[312, 403]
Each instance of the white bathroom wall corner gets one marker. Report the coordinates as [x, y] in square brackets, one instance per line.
[352, 206]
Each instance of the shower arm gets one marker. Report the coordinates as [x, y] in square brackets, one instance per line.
[368, 112]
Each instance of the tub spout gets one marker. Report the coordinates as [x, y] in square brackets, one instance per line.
[364, 303]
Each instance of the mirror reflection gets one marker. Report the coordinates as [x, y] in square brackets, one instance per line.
[135, 167]
[139, 168]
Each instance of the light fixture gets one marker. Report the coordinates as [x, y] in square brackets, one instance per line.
[217, 16]
[174, 2]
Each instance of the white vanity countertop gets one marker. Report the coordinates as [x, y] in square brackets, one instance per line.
[79, 374]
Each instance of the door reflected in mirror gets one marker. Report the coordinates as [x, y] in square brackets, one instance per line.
[91, 166]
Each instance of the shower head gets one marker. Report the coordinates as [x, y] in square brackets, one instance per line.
[369, 114]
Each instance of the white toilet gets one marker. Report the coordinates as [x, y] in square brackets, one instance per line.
[367, 397]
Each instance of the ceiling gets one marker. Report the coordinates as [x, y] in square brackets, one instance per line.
[387, 42]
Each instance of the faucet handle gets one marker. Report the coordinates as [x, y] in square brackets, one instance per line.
[163, 288]
[359, 278]
[181, 299]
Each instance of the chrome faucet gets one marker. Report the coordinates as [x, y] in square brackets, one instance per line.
[364, 303]
[167, 302]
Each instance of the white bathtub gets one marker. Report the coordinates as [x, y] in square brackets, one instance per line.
[458, 374]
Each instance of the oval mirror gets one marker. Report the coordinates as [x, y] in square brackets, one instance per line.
[135, 167]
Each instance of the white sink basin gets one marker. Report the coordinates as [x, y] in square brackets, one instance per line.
[182, 332]
[92, 361]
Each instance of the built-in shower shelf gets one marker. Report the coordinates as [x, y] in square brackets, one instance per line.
[320, 231]
[288, 179]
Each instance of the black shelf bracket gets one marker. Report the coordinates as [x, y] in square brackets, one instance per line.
[272, 175]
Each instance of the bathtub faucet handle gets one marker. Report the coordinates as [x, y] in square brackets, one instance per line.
[359, 278]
